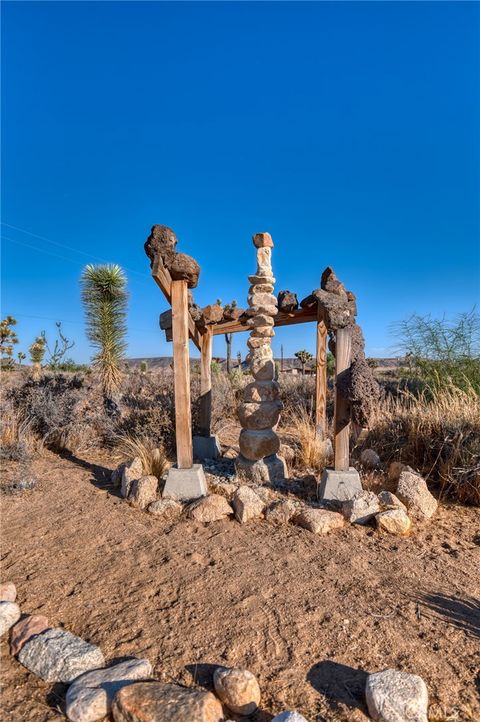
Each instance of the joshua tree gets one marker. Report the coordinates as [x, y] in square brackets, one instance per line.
[21, 357]
[228, 341]
[37, 353]
[304, 357]
[104, 297]
[8, 338]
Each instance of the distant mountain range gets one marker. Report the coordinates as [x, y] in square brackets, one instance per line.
[161, 362]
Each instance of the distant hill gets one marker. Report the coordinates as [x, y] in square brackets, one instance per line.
[162, 362]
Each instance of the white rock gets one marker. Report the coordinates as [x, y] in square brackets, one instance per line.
[394, 696]
[90, 696]
[210, 508]
[246, 504]
[289, 717]
[238, 689]
[9, 615]
[413, 491]
[394, 521]
[361, 508]
[132, 471]
[370, 459]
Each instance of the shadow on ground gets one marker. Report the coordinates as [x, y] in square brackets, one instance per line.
[339, 685]
[101, 475]
[461, 613]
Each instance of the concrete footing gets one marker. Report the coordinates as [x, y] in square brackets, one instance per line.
[206, 447]
[185, 484]
[337, 486]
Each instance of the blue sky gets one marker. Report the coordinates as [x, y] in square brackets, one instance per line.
[349, 131]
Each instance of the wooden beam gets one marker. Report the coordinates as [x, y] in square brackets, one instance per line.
[343, 345]
[302, 315]
[205, 415]
[162, 278]
[181, 371]
[321, 378]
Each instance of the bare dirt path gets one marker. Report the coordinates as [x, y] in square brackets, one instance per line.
[308, 615]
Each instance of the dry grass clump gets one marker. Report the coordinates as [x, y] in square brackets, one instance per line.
[438, 433]
[17, 440]
[299, 429]
[153, 457]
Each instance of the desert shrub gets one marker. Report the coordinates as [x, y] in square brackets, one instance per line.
[17, 440]
[437, 433]
[441, 352]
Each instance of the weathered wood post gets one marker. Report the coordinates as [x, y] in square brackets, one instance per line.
[343, 346]
[205, 419]
[181, 371]
[321, 378]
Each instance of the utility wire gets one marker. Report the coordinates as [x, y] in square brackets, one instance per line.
[68, 248]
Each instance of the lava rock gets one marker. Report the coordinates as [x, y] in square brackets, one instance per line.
[287, 301]
[184, 268]
[161, 243]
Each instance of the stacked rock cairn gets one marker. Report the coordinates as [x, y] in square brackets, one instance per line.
[260, 411]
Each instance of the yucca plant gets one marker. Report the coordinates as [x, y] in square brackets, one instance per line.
[104, 297]
[37, 353]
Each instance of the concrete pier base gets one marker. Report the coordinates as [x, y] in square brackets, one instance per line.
[337, 486]
[185, 484]
[206, 447]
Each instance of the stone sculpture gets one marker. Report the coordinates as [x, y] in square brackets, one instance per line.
[260, 411]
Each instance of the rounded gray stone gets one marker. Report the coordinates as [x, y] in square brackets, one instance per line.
[395, 696]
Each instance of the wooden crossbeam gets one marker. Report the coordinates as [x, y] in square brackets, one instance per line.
[302, 315]
[162, 278]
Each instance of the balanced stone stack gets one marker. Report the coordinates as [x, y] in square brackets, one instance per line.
[260, 411]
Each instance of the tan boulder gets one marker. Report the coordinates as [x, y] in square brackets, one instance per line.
[387, 500]
[8, 592]
[395, 469]
[210, 508]
[143, 491]
[247, 504]
[153, 701]
[262, 240]
[132, 471]
[257, 444]
[394, 521]
[281, 511]
[238, 689]
[413, 491]
[165, 508]
[261, 391]
[263, 369]
[319, 521]
[264, 415]
[212, 313]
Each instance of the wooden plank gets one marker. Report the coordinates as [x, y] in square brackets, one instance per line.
[343, 344]
[162, 278]
[302, 315]
[205, 415]
[321, 378]
[181, 370]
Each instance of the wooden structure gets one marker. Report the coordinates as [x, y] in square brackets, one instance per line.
[184, 328]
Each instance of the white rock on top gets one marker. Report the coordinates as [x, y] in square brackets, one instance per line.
[289, 717]
[413, 491]
[394, 696]
[238, 689]
[8, 592]
[57, 655]
[90, 696]
[9, 615]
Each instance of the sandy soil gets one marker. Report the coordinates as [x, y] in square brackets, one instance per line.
[310, 616]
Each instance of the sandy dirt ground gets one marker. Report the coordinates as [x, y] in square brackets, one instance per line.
[310, 616]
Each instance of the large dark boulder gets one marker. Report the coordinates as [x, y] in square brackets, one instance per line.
[184, 268]
[287, 301]
[161, 243]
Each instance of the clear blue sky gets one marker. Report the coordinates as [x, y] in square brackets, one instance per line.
[350, 131]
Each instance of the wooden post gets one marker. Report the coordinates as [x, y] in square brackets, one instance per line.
[321, 378]
[181, 371]
[343, 344]
[205, 419]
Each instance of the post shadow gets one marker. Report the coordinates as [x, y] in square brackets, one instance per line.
[339, 684]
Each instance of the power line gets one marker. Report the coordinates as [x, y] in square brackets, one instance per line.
[68, 248]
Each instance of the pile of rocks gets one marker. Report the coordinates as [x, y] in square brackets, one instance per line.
[292, 501]
[260, 411]
[127, 690]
